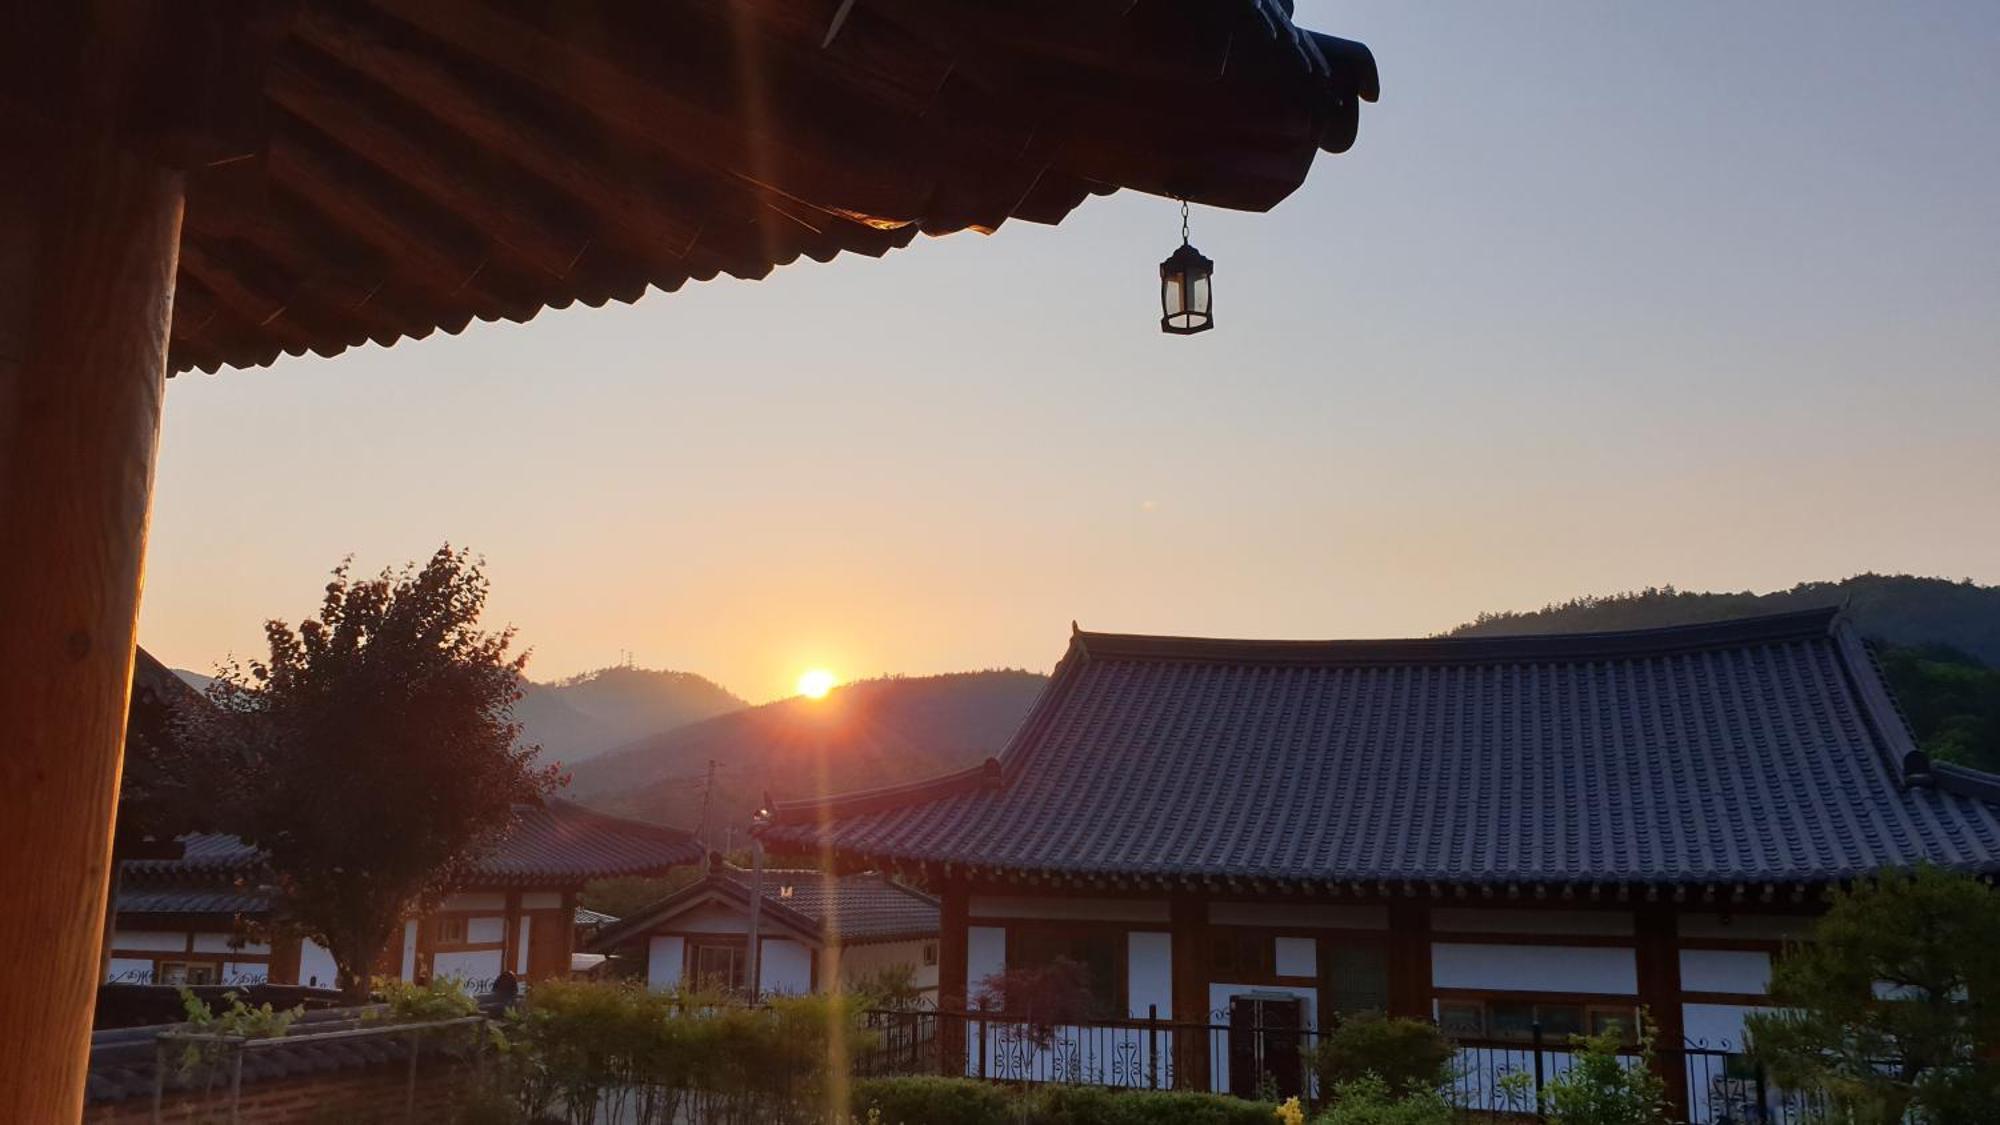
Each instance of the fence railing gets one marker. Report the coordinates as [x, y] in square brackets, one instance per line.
[1706, 1085]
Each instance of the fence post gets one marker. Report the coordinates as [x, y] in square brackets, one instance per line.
[410, 1086]
[1535, 1033]
[236, 1085]
[1152, 1046]
[981, 1009]
[1763, 1102]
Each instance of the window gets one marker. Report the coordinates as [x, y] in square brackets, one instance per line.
[1357, 978]
[930, 954]
[449, 930]
[1240, 954]
[1098, 951]
[1517, 1019]
[1466, 1020]
[187, 972]
[717, 964]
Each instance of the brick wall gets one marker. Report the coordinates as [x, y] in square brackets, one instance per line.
[349, 1097]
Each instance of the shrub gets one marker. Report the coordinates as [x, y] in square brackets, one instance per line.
[441, 999]
[1090, 1105]
[1600, 1088]
[932, 1101]
[1367, 1100]
[1404, 1055]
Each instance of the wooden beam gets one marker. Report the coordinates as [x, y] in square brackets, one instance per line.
[86, 300]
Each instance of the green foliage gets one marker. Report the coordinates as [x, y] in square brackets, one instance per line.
[1405, 1055]
[1602, 1088]
[891, 988]
[932, 1101]
[1892, 1010]
[1090, 1105]
[1367, 1100]
[1951, 700]
[239, 1020]
[440, 999]
[578, 1049]
[389, 708]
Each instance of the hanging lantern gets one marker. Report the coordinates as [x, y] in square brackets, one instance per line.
[1185, 307]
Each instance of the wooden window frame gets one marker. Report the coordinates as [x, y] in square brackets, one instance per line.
[1117, 933]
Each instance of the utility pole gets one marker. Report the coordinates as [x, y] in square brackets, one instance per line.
[707, 788]
[755, 969]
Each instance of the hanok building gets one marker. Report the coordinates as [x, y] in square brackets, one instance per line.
[181, 921]
[1498, 833]
[818, 932]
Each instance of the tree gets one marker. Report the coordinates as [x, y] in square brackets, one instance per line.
[374, 753]
[1891, 1011]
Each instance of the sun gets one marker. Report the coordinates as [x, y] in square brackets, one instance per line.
[814, 683]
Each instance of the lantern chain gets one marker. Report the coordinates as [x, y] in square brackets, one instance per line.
[1184, 222]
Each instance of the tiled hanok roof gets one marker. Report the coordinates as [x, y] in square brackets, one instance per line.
[846, 909]
[556, 842]
[1761, 751]
[190, 900]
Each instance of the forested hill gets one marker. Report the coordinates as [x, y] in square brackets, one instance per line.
[865, 734]
[1938, 640]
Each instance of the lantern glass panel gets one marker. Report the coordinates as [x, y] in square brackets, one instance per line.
[1198, 294]
[1173, 300]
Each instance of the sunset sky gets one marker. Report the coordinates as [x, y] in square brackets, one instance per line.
[1607, 295]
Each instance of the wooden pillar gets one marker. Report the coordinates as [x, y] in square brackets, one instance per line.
[1658, 957]
[954, 906]
[89, 238]
[1410, 959]
[1188, 917]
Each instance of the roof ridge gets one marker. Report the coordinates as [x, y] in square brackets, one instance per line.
[1481, 649]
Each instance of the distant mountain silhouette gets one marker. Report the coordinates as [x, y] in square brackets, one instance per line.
[1896, 609]
[578, 718]
[874, 732]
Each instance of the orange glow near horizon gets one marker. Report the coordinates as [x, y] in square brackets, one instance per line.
[814, 683]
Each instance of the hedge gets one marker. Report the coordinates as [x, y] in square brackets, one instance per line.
[968, 1101]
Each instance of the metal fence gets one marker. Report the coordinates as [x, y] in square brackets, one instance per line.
[1504, 1077]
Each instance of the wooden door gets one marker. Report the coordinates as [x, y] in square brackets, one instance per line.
[1264, 1041]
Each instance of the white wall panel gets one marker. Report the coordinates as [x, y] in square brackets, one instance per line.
[665, 957]
[1297, 957]
[1149, 976]
[123, 970]
[245, 972]
[1535, 968]
[521, 931]
[219, 943]
[485, 929]
[410, 949]
[985, 955]
[316, 965]
[476, 968]
[1725, 970]
[478, 902]
[787, 967]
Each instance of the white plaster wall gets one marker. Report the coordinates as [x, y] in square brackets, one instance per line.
[1718, 1027]
[476, 968]
[521, 931]
[125, 970]
[541, 900]
[219, 943]
[715, 918]
[665, 957]
[1761, 927]
[1219, 996]
[985, 955]
[475, 901]
[1473, 920]
[1297, 957]
[1149, 974]
[245, 972]
[1535, 968]
[149, 939]
[1069, 909]
[1725, 970]
[410, 949]
[316, 963]
[1314, 915]
[786, 967]
[485, 929]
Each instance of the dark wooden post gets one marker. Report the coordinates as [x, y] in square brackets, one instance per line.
[1188, 916]
[89, 238]
[1410, 959]
[1659, 964]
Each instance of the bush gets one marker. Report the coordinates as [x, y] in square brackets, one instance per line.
[932, 1101]
[1406, 1056]
[1369, 1101]
[1090, 1105]
[441, 999]
[1600, 1088]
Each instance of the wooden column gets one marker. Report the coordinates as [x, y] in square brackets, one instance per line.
[1188, 916]
[1410, 959]
[953, 910]
[88, 244]
[1658, 957]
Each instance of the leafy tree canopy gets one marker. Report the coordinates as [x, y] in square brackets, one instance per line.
[373, 754]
